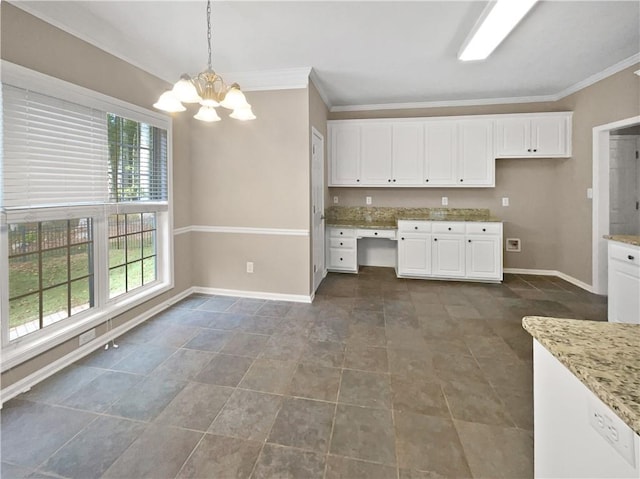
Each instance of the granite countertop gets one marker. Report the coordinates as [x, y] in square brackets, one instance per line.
[605, 357]
[628, 239]
[387, 217]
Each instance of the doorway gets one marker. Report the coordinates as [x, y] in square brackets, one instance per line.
[317, 206]
[611, 205]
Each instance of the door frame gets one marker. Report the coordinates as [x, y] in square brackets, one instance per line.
[319, 274]
[600, 207]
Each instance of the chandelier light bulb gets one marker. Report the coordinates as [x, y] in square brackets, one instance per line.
[185, 90]
[208, 114]
[243, 114]
[169, 102]
[234, 99]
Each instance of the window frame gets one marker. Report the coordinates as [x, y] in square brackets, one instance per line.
[28, 346]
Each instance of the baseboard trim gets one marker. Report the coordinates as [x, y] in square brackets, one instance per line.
[296, 298]
[41, 374]
[551, 272]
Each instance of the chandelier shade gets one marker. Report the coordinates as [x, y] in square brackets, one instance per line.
[209, 90]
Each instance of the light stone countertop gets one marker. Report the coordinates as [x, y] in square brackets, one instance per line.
[604, 356]
[627, 239]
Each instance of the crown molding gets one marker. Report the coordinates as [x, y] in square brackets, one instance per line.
[282, 79]
[313, 77]
[607, 72]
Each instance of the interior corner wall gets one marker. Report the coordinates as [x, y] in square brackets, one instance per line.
[37, 45]
[614, 98]
[254, 176]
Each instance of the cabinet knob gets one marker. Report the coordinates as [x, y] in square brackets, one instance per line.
[427, 180]
[340, 232]
[394, 180]
[358, 180]
[484, 229]
[461, 180]
[341, 244]
[389, 180]
[469, 241]
[631, 257]
[435, 239]
[529, 149]
[402, 239]
[340, 259]
[535, 149]
[449, 229]
[376, 233]
[415, 227]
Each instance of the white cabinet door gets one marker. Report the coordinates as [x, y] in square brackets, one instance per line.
[483, 257]
[441, 153]
[408, 153]
[624, 283]
[447, 256]
[375, 165]
[549, 136]
[414, 254]
[476, 160]
[345, 154]
[514, 137]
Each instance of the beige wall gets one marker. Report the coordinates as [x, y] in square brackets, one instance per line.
[34, 44]
[256, 175]
[614, 98]
[549, 210]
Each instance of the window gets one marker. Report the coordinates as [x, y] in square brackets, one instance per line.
[84, 207]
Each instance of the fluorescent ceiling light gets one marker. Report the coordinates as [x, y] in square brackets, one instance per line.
[493, 26]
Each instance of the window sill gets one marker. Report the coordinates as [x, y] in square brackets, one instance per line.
[27, 348]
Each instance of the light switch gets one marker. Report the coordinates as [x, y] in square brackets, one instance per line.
[335, 200]
[368, 200]
[505, 201]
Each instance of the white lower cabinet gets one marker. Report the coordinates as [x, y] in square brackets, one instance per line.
[624, 283]
[414, 255]
[447, 253]
[483, 257]
[342, 254]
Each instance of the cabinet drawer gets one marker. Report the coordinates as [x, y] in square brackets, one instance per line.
[484, 228]
[341, 232]
[408, 226]
[623, 253]
[344, 259]
[370, 233]
[344, 243]
[447, 227]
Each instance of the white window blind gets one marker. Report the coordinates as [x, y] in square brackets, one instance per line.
[54, 152]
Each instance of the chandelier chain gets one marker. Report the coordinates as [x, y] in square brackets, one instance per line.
[209, 30]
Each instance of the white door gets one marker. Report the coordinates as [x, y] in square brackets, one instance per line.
[548, 135]
[483, 257]
[476, 161]
[624, 189]
[317, 206]
[408, 154]
[375, 164]
[441, 153]
[514, 137]
[447, 256]
[345, 154]
[414, 254]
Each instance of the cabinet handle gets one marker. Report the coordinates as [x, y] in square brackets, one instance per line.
[415, 227]
[535, 149]
[402, 239]
[435, 239]
[630, 257]
[389, 181]
[427, 180]
[340, 259]
[394, 180]
[340, 232]
[484, 229]
[469, 241]
[449, 229]
[376, 233]
[461, 180]
[529, 149]
[358, 180]
[341, 244]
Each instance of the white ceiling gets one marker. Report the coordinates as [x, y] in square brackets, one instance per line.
[364, 53]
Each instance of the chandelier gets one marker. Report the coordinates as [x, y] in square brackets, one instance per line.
[208, 89]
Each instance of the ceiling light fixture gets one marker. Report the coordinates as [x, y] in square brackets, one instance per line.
[493, 26]
[208, 89]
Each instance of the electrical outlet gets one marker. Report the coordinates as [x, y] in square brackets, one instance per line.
[589, 193]
[445, 201]
[368, 200]
[249, 266]
[505, 201]
[613, 430]
[335, 200]
[84, 338]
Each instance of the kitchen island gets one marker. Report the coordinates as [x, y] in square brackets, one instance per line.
[586, 398]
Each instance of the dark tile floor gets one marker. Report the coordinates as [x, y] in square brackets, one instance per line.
[379, 377]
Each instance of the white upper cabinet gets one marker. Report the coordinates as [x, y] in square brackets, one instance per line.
[408, 153]
[345, 155]
[441, 153]
[375, 165]
[476, 165]
[541, 135]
